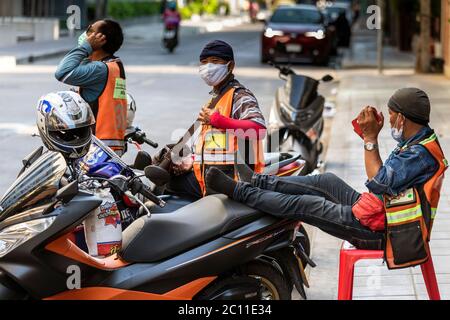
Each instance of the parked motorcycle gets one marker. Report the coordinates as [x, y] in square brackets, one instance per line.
[296, 120]
[228, 251]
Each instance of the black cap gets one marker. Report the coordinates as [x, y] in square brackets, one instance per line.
[217, 48]
[413, 103]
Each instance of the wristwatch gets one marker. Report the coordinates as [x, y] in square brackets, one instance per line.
[369, 146]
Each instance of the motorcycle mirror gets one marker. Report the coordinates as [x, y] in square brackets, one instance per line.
[143, 159]
[327, 78]
[157, 175]
[67, 193]
[32, 157]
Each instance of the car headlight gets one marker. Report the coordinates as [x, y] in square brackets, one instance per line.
[13, 236]
[270, 33]
[319, 34]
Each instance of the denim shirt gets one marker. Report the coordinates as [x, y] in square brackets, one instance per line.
[403, 170]
[77, 70]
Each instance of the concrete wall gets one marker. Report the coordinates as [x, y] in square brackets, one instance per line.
[37, 29]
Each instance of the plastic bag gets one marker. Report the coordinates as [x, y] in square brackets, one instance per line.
[103, 228]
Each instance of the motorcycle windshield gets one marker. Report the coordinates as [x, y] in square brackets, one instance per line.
[301, 90]
[38, 182]
[101, 161]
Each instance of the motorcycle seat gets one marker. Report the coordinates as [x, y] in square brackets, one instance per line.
[151, 239]
[172, 203]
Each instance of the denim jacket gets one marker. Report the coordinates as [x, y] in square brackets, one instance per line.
[403, 170]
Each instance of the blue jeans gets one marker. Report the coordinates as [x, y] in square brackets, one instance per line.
[324, 201]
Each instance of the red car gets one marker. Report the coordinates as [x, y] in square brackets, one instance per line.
[297, 33]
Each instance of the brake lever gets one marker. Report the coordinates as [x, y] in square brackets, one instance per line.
[130, 195]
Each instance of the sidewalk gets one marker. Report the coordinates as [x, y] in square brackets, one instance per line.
[345, 158]
[24, 52]
[363, 51]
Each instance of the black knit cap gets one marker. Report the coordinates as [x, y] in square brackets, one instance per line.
[217, 48]
[413, 103]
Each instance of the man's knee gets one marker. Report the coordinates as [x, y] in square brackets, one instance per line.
[328, 177]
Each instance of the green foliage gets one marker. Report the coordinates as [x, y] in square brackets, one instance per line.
[200, 7]
[185, 13]
[130, 9]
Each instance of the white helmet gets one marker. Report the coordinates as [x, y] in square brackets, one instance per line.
[64, 121]
[131, 110]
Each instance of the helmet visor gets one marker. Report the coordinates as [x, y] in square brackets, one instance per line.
[72, 137]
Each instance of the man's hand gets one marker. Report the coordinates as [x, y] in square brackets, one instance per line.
[369, 124]
[96, 40]
[183, 166]
[205, 115]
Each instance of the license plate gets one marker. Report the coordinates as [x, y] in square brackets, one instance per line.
[293, 48]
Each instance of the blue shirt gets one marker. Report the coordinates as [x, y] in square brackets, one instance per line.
[77, 70]
[403, 170]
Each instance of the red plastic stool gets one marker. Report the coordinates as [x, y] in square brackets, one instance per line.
[349, 255]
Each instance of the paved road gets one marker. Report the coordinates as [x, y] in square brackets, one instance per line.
[167, 89]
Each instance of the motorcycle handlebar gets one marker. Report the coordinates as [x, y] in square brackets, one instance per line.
[151, 143]
[138, 187]
[140, 137]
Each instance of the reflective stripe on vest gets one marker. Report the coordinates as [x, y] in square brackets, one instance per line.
[433, 212]
[114, 143]
[226, 158]
[404, 215]
[429, 139]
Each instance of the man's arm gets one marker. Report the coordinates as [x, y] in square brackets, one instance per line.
[71, 70]
[371, 128]
[372, 159]
[246, 107]
[247, 119]
[401, 171]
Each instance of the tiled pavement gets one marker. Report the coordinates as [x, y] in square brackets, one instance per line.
[373, 280]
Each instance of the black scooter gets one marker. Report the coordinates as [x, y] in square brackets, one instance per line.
[296, 120]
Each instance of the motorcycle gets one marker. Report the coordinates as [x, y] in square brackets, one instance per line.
[228, 251]
[296, 117]
[170, 38]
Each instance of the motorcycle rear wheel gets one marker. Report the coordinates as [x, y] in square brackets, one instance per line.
[273, 284]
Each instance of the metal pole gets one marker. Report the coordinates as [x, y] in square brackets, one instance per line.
[380, 4]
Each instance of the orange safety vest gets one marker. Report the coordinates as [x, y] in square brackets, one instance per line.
[409, 219]
[110, 109]
[218, 147]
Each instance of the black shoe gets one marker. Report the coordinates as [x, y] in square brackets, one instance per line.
[219, 182]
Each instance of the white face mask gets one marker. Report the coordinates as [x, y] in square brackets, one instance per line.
[213, 73]
[397, 134]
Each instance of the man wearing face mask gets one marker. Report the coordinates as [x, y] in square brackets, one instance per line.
[403, 192]
[100, 76]
[232, 126]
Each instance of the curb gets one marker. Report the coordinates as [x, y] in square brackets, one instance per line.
[189, 27]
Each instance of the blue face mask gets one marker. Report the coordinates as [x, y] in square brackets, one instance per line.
[82, 38]
[397, 134]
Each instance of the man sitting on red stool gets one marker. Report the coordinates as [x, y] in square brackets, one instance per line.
[398, 212]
